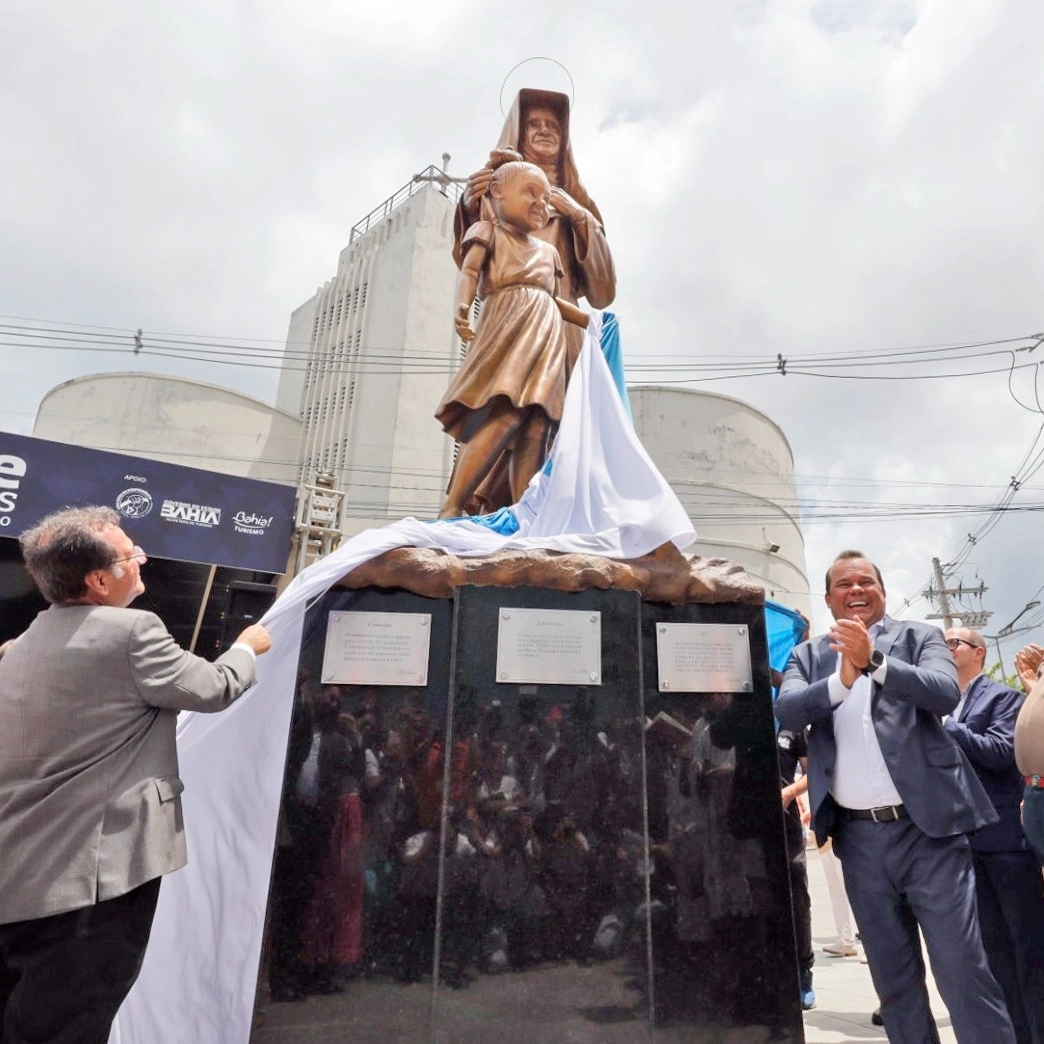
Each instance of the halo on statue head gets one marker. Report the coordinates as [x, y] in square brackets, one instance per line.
[544, 86]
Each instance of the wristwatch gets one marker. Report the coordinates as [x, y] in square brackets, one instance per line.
[876, 660]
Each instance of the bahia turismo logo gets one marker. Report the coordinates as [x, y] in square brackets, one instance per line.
[12, 471]
[190, 514]
[134, 502]
[255, 525]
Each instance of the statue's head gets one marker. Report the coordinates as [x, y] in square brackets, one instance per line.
[521, 196]
[541, 136]
[543, 127]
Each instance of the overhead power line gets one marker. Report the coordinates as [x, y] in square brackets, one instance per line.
[910, 363]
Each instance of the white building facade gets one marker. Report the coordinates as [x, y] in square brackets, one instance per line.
[370, 355]
[733, 470]
[174, 419]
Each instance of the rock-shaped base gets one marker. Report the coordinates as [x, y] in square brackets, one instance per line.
[665, 575]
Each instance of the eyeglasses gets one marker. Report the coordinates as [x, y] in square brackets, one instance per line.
[138, 556]
[956, 643]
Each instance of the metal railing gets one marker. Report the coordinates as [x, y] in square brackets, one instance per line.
[431, 175]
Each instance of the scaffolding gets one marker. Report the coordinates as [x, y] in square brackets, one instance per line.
[319, 521]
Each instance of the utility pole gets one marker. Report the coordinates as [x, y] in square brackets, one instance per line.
[968, 617]
[943, 594]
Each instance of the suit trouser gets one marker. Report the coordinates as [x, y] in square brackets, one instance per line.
[1011, 916]
[63, 978]
[899, 878]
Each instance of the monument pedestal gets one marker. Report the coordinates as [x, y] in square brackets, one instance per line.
[567, 826]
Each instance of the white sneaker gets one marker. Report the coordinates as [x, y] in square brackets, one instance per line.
[841, 949]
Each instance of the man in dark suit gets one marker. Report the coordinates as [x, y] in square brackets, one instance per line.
[1007, 878]
[90, 806]
[891, 788]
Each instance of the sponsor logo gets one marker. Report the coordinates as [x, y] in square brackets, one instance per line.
[191, 514]
[134, 502]
[12, 471]
[255, 525]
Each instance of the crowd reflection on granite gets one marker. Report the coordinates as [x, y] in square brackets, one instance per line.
[542, 854]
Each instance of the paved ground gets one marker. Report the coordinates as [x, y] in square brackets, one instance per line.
[844, 993]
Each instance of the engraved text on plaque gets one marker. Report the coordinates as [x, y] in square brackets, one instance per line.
[377, 649]
[703, 657]
[549, 646]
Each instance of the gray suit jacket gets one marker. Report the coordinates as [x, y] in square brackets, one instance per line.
[939, 788]
[89, 787]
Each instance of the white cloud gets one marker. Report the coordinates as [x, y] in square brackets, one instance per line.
[943, 39]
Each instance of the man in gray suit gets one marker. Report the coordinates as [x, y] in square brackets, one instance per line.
[889, 785]
[90, 812]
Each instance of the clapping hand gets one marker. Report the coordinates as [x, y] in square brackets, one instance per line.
[852, 640]
[1027, 664]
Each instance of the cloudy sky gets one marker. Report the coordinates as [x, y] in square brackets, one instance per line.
[839, 182]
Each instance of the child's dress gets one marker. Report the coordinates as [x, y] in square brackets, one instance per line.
[519, 350]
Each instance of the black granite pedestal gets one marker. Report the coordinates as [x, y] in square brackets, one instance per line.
[481, 859]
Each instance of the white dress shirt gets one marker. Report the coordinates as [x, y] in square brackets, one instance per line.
[861, 777]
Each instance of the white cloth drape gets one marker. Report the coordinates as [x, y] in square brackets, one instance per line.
[603, 495]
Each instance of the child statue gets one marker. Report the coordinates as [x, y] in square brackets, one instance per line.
[509, 393]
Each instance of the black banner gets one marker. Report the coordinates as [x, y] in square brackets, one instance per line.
[171, 511]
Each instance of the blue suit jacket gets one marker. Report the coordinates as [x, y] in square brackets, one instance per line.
[985, 731]
[939, 789]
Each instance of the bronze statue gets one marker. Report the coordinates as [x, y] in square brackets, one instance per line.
[505, 437]
[511, 387]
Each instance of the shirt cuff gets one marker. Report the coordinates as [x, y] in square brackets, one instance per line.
[836, 689]
[243, 645]
[881, 673]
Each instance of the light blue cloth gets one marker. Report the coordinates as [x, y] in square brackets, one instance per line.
[503, 520]
[784, 628]
[610, 342]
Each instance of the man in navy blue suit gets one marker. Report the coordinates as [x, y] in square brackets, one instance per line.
[1007, 878]
[892, 789]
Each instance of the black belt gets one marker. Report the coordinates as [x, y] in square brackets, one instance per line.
[882, 814]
